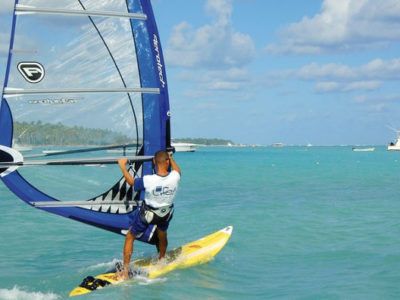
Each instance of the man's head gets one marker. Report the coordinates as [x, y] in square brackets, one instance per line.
[161, 160]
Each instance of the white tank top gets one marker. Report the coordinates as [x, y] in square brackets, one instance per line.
[161, 191]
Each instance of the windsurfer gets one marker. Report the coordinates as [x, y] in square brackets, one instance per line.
[157, 207]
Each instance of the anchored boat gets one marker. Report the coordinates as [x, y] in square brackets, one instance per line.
[396, 145]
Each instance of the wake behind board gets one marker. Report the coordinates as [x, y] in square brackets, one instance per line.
[188, 255]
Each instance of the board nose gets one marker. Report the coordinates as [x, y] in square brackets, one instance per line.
[228, 229]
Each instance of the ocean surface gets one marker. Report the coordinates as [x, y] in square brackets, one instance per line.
[309, 223]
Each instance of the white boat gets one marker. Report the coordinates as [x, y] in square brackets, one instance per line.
[278, 145]
[52, 151]
[365, 149]
[395, 146]
[121, 151]
[184, 147]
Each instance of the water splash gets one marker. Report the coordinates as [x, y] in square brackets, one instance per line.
[102, 266]
[17, 293]
[141, 280]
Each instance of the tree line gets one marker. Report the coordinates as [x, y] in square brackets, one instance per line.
[39, 133]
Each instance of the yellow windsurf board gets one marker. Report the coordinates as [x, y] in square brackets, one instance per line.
[188, 255]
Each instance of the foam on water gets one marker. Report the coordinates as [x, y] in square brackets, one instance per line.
[17, 293]
[103, 265]
[147, 281]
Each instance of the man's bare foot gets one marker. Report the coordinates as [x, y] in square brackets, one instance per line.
[123, 274]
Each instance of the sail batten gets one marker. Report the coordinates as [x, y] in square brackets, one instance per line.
[82, 203]
[19, 91]
[77, 161]
[123, 149]
[44, 10]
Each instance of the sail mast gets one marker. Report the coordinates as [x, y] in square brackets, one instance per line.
[5, 115]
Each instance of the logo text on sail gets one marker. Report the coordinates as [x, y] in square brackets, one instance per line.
[158, 58]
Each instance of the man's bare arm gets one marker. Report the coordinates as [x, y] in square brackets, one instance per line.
[174, 165]
[128, 177]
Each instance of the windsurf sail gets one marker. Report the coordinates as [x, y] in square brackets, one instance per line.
[82, 76]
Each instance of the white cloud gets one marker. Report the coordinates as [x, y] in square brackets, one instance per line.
[212, 58]
[224, 85]
[216, 45]
[331, 86]
[206, 83]
[377, 69]
[378, 107]
[377, 98]
[342, 25]
[327, 71]
[389, 69]
[222, 9]
[362, 85]
[327, 86]
[333, 77]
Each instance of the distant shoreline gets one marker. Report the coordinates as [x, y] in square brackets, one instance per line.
[205, 141]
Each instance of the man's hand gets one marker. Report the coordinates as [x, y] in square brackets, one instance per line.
[122, 162]
[173, 163]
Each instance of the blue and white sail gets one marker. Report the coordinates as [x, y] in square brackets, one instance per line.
[82, 77]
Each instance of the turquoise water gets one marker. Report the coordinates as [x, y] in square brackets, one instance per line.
[309, 223]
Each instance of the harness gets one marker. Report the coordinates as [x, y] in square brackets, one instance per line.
[156, 216]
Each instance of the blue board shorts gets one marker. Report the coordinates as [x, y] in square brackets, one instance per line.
[138, 226]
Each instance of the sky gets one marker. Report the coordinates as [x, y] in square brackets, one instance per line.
[324, 72]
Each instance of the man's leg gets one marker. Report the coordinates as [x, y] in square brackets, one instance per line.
[162, 242]
[137, 227]
[127, 253]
